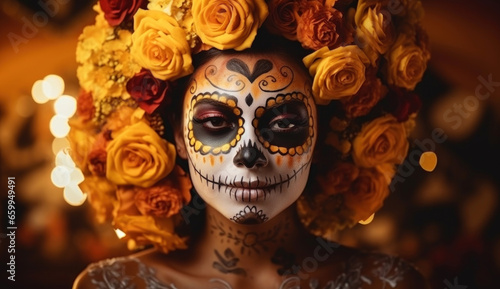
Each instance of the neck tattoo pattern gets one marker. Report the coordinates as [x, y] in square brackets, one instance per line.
[250, 242]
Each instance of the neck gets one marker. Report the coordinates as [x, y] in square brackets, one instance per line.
[249, 250]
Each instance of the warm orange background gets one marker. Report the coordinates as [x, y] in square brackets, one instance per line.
[446, 222]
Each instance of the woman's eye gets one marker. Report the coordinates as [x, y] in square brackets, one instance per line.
[281, 124]
[285, 123]
[216, 123]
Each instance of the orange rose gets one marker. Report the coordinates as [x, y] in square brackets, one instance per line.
[161, 200]
[160, 45]
[367, 194]
[228, 24]
[282, 18]
[97, 156]
[380, 141]
[139, 156]
[339, 179]
[318, 27]
[367, 97]
[85, 109]
[337, 73]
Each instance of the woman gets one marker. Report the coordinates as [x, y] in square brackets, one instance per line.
[265, 147]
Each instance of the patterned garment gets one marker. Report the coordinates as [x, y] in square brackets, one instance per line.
[131, 273]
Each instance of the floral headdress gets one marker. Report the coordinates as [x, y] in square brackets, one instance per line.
[365, 58]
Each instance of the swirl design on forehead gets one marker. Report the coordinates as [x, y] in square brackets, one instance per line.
[205, 148]
[286, 72]
[193, 86]
[236, 82]
[231, 81]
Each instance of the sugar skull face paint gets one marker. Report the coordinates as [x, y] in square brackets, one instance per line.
[249, 130]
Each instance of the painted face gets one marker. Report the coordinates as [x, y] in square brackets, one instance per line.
[249, 129]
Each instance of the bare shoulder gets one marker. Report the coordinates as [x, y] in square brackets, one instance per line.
[134, 271]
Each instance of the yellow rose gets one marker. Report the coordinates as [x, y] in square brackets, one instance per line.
[410, 11]
[228, 24]
[139, 156]
[101, 196]
[81, 138]
[337, 73]
[367, 194]
[160, 45]
[380, 141]
[375, 31]
[181, 11]
[406, 61]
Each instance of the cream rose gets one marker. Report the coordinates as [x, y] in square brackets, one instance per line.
[380, 141]
[228, 24]
[337, 73]
[139, 156]
[406, 62]
[160, 45]
[367, 194]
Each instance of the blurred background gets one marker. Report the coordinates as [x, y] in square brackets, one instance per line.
[446, 222]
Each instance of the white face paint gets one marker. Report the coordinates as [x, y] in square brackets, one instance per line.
[249, 129]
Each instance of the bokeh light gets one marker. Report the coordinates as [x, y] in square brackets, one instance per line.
[73, 195]
[53, 86]
[428, 161]
[120, 233]
[37, 92]
[59, 126]
[65, 105]
[59, 144]
[60, 176]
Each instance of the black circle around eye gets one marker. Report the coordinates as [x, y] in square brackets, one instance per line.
[214, 123]
[285, 125]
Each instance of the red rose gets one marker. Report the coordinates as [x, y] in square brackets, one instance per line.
[282, 18]
[147, 90]
[367, 97]
[117, 11]
[339, 179]
[402, 103]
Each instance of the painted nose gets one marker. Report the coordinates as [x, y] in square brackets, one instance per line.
[250, 156]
